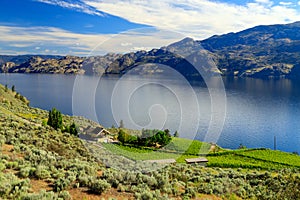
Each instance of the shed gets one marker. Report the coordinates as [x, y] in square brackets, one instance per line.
[201, 161]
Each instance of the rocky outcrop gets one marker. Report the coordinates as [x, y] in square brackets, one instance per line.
[7, 66]
[96, 65]
[65, 65]
[261, 52]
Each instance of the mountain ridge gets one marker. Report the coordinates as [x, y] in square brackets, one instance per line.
[265, 51]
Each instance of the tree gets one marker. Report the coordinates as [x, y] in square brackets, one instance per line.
[6, 88]
[162, 138]
[121, 124]
[242, 146]
[176, 134]
[154, 137]
[73, 129]
[13, 88]
[122, 136]
[17, 96]
[55, 119]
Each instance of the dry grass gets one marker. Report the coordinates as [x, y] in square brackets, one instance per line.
[9, 150]
[38, 185]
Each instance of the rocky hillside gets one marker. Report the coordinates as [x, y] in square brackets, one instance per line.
[260, 52]
[56, 64]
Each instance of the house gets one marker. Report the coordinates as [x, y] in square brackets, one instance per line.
[93, 133]
[200, 161]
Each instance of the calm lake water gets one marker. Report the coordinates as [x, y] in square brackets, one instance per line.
[256, 110]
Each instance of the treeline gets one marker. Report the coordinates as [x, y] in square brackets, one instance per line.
[149, 138]
[55, 121]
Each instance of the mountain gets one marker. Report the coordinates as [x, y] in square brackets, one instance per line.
[266, 51]
[56, 64]
[262, 51]
[19, 59]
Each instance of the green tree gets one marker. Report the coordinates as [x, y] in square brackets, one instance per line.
[6, 88]
[162, 138]
[122, 136]
[121, 124]
[55, 119]
[17, 96]
[73, 129]
[13, 88]
[176, 134]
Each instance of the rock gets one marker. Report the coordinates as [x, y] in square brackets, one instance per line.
[6, 66]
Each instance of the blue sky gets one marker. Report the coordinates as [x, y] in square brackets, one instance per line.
[81, 27]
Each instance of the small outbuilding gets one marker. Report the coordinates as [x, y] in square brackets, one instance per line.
[200, 161]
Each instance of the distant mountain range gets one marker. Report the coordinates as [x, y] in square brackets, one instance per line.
[271, 51]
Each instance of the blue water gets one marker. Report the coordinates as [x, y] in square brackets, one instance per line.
[256, 110]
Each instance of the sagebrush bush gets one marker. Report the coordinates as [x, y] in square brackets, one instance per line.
[99, 186]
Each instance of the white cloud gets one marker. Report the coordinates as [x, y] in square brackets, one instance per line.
[283, 3]
[194, 18]
[78, 6]
[20, 45]
[198, 19]
[60, 41]
[268, 2]
[126, 44]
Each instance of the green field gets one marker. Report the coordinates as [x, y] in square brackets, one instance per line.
[144, 154]
[186, 146]
[180, 149]
[254, 158]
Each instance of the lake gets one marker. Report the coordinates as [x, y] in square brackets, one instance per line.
[256, 110]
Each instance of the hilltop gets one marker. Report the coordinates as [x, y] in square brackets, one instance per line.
[39, 162]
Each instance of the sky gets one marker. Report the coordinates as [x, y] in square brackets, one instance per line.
[93, 27]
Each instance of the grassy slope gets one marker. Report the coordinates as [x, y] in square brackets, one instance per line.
[35, 156]
[36, 159]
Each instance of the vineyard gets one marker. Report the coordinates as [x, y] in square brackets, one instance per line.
[180, 149]
[254, 158]
[136, 153]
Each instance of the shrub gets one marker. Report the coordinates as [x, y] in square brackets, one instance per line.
[85, 181]
[2, 166]
[26, 172]
[65, 195]
[42, 172]
[146, 195]
[61, 184]
[99, 186]
[11, 187]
